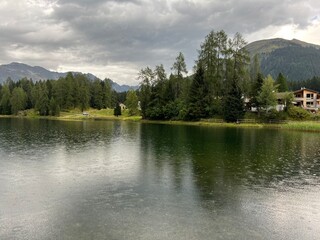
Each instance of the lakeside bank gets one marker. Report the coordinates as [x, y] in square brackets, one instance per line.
[107, 114]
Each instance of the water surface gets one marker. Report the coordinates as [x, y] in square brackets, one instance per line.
[125, 180]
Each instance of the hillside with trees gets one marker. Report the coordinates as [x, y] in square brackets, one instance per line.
[295, 59]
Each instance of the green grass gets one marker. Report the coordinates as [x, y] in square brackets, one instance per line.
[207, 123]
[302, 126]
[94, 114]
[107, 114]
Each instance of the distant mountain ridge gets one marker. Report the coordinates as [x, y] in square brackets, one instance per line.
[17, 71]
[296, 59]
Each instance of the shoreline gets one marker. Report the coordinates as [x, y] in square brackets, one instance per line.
[306, 126]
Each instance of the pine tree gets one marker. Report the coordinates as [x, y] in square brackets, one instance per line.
[96, 95]
[117, 110]
[198, 103]
[41, 98]
[233, 103]
[18, 100]
[255, 91]
[281, 81]
[179, 68]
[54, 108]
[5, 105]
[146, 76]
[69, 92]
[107, 93]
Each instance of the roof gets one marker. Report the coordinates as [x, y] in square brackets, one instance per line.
[281, 95]
[305, 89]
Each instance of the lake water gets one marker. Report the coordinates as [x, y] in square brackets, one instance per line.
[126, 180]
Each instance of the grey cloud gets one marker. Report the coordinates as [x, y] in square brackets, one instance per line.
[142, 32]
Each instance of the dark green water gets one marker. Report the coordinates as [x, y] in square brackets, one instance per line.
[122, 180]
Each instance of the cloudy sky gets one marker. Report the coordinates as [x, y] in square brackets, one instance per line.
[116, 38]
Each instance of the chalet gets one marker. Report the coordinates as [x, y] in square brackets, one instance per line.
[307, 99]
[122, 106]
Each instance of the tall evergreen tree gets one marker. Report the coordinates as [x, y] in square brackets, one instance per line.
[255, 91]
[54, 108]
[146, 77]
[70, 91]
[27, 86]
[255, 67]
[198, 103]
[179, 68]
[233, 103]
[107, 93]
[281, 81]
[5, 95]
[96, 95]
[213, 55]
[42, 103]
[240, 57]
[157, 99]
[18, 100]
[117, 110]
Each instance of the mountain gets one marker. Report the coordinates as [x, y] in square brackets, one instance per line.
[121, 88]
[17, 71]
[296, 59]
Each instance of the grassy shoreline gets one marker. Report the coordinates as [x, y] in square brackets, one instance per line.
[107, 114]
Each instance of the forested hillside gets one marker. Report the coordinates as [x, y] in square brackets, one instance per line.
[295, 59]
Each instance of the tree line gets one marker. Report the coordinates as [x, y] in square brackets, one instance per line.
[312, 83]
[51, 96]
[222, 82]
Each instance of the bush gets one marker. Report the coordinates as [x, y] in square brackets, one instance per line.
[154, 113]
[171, 110]
[298, 113]
[273, 115]
[315, 117]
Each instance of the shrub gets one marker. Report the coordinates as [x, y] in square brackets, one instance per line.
[273, 115]
[298, 113]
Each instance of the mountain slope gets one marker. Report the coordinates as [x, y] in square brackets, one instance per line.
[17, 71]
[297, 60]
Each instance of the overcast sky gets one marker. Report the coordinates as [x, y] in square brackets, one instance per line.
[116, 38]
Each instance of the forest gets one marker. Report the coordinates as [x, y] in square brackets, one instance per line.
[49, 97]
[221, 83]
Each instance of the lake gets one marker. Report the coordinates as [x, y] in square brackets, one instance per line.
[128, 180]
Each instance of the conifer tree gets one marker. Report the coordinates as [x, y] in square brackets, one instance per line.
[54, 108]
[117, 110]
[281, 81]
[233, 109]
[146, 76]
[5, 96]
[18, 100]
[179, 68]
[255, 91]
[198, 102]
